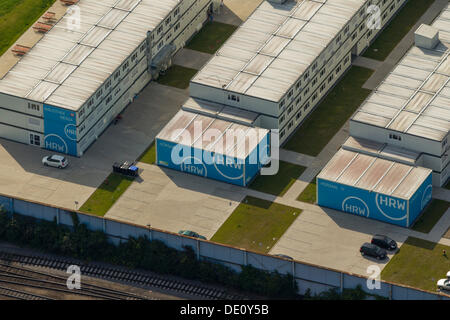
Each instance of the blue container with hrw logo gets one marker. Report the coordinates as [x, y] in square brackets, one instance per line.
[212, 148]
[60, 131]
[374, 188]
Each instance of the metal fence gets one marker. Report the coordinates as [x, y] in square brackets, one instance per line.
[315, 278]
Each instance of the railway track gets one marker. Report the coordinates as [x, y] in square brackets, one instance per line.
[12, 294]
[16, 274]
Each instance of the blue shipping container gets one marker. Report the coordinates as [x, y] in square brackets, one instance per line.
[212, 165]
[373, 205]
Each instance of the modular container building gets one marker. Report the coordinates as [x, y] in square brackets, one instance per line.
[374, 188]
[212, 147]
[410, 109]
[287, 55]
[92, 63]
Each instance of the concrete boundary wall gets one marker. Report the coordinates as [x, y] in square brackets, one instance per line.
[316, 278]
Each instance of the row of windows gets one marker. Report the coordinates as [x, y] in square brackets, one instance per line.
[108, 84]
[313, 68]
[233, 97]
[393, 136]
[33, 106]
[308, 104]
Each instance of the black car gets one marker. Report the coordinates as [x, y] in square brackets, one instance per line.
[384, 242]
[373, 251]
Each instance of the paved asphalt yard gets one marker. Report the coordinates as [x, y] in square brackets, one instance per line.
[171, 200]
[23, 175]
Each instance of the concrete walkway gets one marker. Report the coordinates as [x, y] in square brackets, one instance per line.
[191, 59]
[28, 39]
[402, 47]
[367, 63]
[293, 157]
[441, 193]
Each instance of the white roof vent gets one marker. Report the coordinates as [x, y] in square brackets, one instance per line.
[426, 37]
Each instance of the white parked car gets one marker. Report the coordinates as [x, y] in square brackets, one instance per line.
[444, 284]
[55, 161]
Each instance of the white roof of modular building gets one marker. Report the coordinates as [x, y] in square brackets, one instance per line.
[268, 53]
[68, 65]
[220, 111]
[212, 134]
[374, 174]
[381, 150]
[415, 97]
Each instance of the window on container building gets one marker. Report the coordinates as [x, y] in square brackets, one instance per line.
[395, 137]
[306, 76]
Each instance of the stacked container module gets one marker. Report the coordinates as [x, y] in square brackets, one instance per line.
[374, 188]
[212, 148]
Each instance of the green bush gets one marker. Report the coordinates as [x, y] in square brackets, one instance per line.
[86, 245]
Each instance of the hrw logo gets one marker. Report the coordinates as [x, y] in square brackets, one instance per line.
[71, 131]
[356, 206]
[55, 143]
[392, 208]
[194, 166]
[228, 167]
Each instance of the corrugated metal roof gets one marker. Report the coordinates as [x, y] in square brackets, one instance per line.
[415, 97]
[213, 134]
[109, 31]
[374, 174]
[275, 45]
[381, 150]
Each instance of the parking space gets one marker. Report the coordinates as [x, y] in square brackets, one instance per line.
[332, 239]
[173, 201]
[23, 175]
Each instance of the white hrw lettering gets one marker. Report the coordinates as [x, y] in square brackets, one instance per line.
[354, 209]
[392, 203]
[228, 162]
[356, 206]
